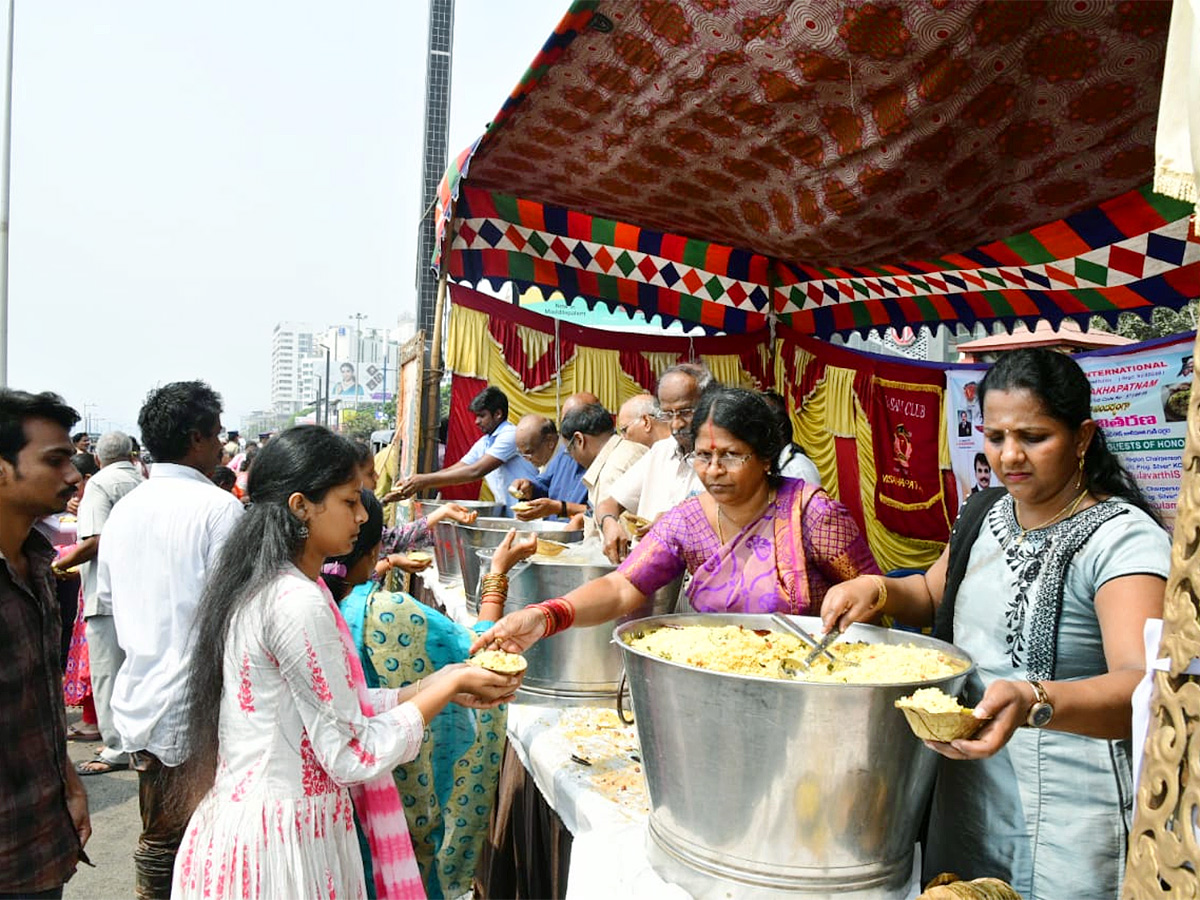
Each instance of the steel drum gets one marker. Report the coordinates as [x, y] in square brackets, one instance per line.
[486, 534]
[445, 553]
[579, 666]
[762, 787]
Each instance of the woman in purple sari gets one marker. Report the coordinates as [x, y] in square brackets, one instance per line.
[754, 542]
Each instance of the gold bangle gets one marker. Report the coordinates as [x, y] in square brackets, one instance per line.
[420, 681]
[881, 598]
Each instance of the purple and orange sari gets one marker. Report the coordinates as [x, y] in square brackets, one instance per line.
[783, 561]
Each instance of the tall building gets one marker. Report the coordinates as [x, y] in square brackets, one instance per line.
[291, 344]
[361, 365]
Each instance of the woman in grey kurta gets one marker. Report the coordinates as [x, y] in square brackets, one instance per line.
[1048, 590]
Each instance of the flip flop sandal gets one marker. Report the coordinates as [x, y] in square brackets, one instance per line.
[74, 733]
[99, 766]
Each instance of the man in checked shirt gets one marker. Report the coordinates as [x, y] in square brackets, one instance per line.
[43, 806]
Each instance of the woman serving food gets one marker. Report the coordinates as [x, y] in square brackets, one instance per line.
[754, 542]
[1046, 583]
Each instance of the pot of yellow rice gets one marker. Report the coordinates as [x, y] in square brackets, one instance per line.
[767, 778]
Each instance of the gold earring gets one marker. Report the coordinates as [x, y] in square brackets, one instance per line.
[1079, 478]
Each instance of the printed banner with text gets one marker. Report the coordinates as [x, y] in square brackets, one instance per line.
[1139, 398]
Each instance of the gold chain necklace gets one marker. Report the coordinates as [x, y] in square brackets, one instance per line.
[720, 515]
[1066, 512]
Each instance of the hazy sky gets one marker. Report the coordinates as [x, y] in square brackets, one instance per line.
[186, 175]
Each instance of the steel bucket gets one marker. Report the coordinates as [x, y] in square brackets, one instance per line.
[486, 534]
[761, 787]
[579, 666]
[445, 553]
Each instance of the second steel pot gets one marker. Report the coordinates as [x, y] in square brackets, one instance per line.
[445, 547]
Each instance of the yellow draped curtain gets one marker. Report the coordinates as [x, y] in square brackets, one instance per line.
[830, 410]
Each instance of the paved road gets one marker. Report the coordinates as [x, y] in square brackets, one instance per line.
[112, 800]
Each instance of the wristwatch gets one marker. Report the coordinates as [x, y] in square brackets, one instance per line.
[1042, 710]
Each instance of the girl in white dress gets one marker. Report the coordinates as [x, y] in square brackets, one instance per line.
[281, 723]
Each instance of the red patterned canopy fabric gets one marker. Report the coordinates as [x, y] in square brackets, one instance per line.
[785, 146]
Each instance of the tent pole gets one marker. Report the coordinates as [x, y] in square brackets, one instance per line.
[431, 399]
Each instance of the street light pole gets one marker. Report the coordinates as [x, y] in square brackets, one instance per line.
[357, 317]
[326, 386]
[5, 178]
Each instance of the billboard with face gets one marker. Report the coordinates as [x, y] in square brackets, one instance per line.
[364, 381]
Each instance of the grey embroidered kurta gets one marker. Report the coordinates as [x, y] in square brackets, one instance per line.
[1050, 813]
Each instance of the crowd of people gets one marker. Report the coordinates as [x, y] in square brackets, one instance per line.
[299, 730]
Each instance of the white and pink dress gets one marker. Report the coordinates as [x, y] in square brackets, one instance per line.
[278, 822]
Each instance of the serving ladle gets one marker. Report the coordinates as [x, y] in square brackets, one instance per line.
[791, 666]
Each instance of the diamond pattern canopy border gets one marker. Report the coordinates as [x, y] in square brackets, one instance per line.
[835, 166]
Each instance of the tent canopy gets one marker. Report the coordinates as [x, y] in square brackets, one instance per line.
[838, 166]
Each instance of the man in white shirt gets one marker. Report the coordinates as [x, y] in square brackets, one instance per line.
[662, 478]
[636, 421]
[117, 477]
[494, 457]
[160, 543]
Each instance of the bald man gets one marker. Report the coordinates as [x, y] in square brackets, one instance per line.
[557, 491]
[578, 401]
[636, 421]
[663, 477]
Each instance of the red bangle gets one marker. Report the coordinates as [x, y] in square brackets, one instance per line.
[541, 607]
[559, 613]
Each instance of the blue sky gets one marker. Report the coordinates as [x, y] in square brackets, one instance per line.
[186, 175]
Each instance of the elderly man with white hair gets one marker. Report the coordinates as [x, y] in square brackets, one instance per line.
[636, 421]
[116, 478]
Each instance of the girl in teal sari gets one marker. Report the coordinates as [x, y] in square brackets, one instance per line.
[449, 789]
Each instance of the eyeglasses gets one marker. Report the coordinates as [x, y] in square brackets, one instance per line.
[730, 462]
[623, 430]
[670, 415]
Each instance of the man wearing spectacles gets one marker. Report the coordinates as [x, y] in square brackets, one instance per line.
[593, 443]
[662, 478]
[636, 421]
[557, 491]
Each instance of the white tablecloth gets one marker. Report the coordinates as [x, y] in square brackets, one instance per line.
[608, 851]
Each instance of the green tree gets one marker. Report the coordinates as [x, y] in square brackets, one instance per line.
[1163, 322]
[359, 423]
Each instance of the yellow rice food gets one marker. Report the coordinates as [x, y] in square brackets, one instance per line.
[743, 651]
[935, 716]
[499, 661]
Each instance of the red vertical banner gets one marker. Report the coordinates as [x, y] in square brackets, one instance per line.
[905, 430]
[461, 433]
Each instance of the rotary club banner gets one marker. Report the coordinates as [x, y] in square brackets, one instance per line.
[906, 429]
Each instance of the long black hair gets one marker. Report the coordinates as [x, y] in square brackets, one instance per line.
[748, 417]
[309, 460]
[1066, 395]
[370, 533]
